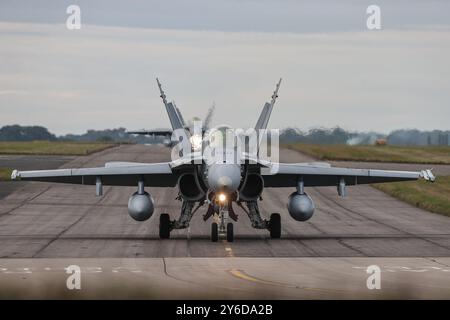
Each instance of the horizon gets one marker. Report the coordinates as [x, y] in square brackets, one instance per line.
[299, 130]
[335, 71]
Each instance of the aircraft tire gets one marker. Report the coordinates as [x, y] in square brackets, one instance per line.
[230, 232]
[214, 232]
[164, 226]
[275, 226]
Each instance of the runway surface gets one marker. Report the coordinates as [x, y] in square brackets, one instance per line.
[226, 278]
[63, 223]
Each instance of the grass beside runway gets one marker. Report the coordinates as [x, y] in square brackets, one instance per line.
[66, 148]
[434, 197]
[5, 174]
[400, 154]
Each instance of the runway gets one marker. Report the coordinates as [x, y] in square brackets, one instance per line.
[226, 278]
[53, 221]
[64, 223]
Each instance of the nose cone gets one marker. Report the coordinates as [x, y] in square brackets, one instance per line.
[224, 177]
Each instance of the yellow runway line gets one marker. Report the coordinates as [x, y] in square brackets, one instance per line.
[242, 275]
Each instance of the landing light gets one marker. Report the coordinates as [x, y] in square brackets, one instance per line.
[196, 142]
[222, 197]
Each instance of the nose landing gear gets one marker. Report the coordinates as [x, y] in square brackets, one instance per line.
[214, 232]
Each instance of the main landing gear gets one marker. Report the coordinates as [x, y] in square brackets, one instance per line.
[273, 224]
[220, 226]
[164, 226]
[222, 217]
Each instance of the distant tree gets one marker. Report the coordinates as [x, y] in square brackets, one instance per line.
[105, 139]
[26, 133]
[408, 137]
[335, 135]
[291, 135]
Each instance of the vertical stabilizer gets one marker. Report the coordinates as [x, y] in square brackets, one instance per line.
[264, 117]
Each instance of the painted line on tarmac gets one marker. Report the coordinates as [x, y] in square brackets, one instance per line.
[228, 249]
[245, 276]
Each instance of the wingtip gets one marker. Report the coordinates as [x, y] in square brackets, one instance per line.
[15, 175]
[428, 175]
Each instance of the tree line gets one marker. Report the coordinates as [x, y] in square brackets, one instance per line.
[335, 135]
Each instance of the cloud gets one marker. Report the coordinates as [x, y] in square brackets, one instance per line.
[100, 77]
[295, 16]
[13, 92]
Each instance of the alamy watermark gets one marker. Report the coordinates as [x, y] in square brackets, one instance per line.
[223, 144]
[374, 280]
[73, 281]
[373, 21]
[73, 21]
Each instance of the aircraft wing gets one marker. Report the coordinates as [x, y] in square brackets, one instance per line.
[113, 174]
[288, 175]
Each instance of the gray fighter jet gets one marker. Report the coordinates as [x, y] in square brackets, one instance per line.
[166, 133]
[219, 184]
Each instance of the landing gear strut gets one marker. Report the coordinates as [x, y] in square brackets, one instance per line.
[255, 216]
[273, 225]
[166, 226]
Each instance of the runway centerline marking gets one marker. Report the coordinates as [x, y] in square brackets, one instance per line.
[228, 249]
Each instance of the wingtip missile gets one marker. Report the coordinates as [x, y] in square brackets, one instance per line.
[428, 175]
[15, 175]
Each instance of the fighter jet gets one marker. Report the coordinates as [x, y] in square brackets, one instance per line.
[218, 183]
[167, 133]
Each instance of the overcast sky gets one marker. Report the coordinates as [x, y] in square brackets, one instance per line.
[334, 70]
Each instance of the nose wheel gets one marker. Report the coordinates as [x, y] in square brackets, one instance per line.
[230, 232]
[221, 227]
[214, 232]
[217, 231]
